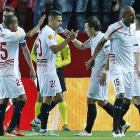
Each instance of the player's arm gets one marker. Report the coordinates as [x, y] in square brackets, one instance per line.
[105, 72]
[34, 30]
[66, 55]
[56, 48]
[27, 56]
[98, 48]
[79, 44]
[137, 58]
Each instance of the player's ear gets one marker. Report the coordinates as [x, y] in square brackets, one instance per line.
[10, 26]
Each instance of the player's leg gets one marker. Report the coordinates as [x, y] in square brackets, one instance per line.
[63, 105]
[118, 84]
[91, 116]
[3, 104]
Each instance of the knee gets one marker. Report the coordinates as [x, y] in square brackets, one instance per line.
[58, 98]
[91, 101]
[101, 103]
[127, 101]
[120, 96]
[23, 98]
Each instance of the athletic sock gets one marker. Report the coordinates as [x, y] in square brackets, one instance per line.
[91, 116]
[63, 112]
[2, 116]
[125, 108]
[117, 113]
[45, 108]
[18, 120]
[16, 114]
[51, 107]
[37, 108]
[109, 109]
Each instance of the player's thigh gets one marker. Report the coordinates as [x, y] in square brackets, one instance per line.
[49, 85]
[129, 84]
[101, 103]
[117, 81]
[91, 101]
[96, 91]
[12, 87]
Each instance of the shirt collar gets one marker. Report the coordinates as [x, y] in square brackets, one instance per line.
[124, 26]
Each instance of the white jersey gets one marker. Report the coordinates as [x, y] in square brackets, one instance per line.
[101, 59]
[122, 40]
[22, 42]
[9, 52]
[45, 57]
[136, 49]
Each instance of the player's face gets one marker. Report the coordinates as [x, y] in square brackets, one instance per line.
[88, 30]
[130, 17]
[5, 13]
[57, 22]
[14, 26]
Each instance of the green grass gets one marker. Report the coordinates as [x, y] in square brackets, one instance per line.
[96, 135]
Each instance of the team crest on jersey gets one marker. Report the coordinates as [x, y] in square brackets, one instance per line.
[50, 36]
[17, 34]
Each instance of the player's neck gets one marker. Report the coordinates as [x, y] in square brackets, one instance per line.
[51, 26]
[95, 34]
[126, 23]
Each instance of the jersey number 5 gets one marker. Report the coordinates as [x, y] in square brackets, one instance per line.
[3, 50]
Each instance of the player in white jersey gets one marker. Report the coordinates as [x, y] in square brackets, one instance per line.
[10, 83]
[97, 92]
[46, 71]
[122, 40]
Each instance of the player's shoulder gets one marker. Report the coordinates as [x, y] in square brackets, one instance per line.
[1, 26]
[20, 30]
[115, 26]
[138, 34]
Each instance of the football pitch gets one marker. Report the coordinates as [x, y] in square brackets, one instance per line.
[69, 135]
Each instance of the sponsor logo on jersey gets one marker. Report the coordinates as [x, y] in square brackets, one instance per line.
[50, 36]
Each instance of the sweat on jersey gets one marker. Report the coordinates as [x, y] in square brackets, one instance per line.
[122, 40]
[9, 52]
[45, 57]
[101, 59]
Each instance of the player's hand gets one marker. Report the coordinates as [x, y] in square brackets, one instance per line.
[41, 20]
[103, 79]
[32, 74]
[116, 8]
[90, 63]
[72, 35]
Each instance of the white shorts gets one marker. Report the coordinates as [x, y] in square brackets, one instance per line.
[123, 82]
[49, 85]
[96, 91]
[11, 87]
[136, 91]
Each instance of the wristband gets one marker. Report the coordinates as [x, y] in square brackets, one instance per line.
[74, 40]
[105, 71]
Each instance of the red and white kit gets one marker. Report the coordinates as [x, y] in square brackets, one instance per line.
[48, 80]
[101, 92]
[121, 57]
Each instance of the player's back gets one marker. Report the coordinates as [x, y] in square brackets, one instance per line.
[45, 57]
[9, 52]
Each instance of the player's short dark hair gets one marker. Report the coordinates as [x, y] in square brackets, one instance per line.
[54, 14]
[9, 9]
[93, 22]
[9, 20]
[138, 20]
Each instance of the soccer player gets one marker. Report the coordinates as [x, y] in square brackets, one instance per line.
[98, 89]
[10, 83]
[59, 68]
[46, 71]
[122, 39]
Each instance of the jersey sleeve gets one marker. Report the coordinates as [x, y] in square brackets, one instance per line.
[51, 39]
[87, 44]
[15, 36]
[22, 42]
[106, 47]
[110, 33]
[136, 47]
